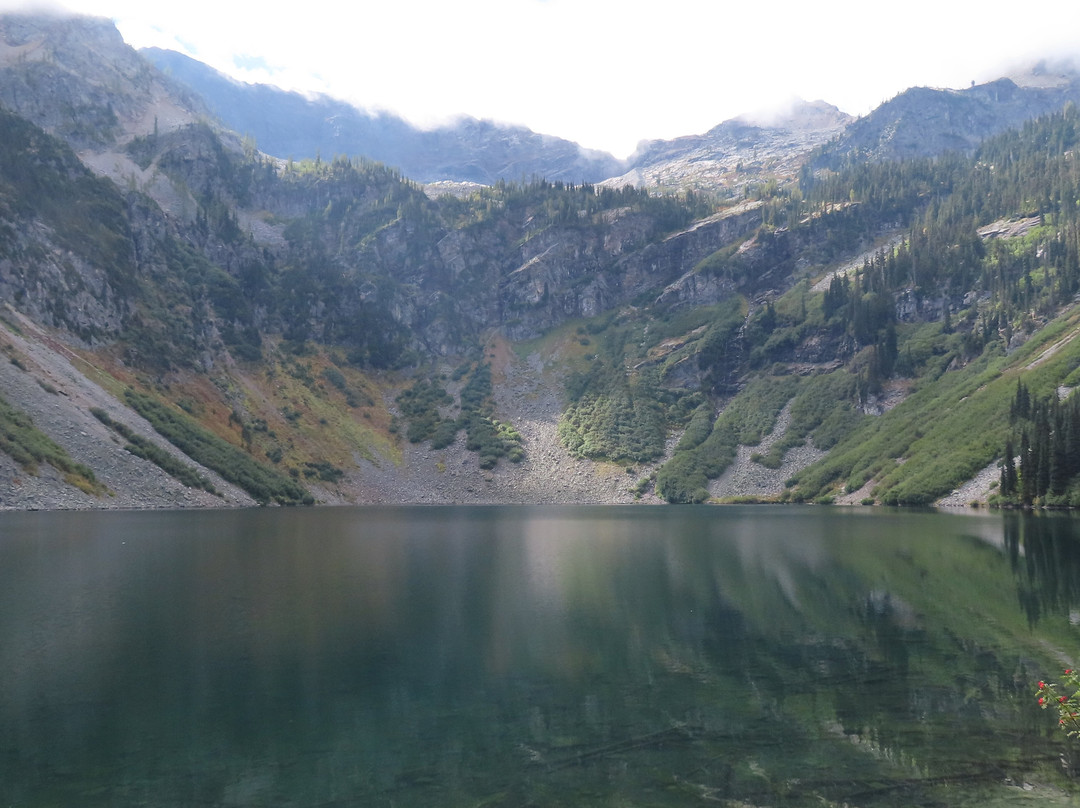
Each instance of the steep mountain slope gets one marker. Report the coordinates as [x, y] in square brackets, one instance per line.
[291, 125]
[922, 121]
[737, 153]
[75, 78]
[187, 321]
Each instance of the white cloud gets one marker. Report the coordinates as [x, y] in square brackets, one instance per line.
[601, 72]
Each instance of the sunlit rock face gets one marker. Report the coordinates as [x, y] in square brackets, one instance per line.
[739, 152]
[922, 121]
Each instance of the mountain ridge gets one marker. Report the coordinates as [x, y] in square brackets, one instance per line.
[322, 329]
[923, 121]
[292, 125]
[734, 154]
[75, 77]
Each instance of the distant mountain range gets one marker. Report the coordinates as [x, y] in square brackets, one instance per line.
[920, 121]
[289, 124]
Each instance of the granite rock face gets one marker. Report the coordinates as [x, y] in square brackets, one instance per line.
[77, 79]
[737, 153]
[923, 122]
[523, 283]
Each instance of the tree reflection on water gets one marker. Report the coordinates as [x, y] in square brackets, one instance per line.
[515, 656]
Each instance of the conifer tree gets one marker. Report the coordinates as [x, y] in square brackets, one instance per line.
[1008, 472]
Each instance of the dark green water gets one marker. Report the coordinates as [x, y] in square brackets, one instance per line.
[533, 657]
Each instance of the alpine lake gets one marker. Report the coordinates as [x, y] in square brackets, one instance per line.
[535, 656]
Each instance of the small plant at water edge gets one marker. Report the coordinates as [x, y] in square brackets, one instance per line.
[1066, 698]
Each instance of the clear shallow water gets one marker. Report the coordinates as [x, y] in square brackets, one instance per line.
[533, 656]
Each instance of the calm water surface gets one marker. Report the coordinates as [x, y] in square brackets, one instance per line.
[533, 657]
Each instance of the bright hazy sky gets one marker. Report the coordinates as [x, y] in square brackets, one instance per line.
[606, 73]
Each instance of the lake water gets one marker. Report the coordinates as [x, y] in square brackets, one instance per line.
[514, 656]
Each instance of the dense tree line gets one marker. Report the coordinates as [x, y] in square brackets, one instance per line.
[547, 203]
[944, 268]
[988, 247]
[1031, 173]
[1042, 461]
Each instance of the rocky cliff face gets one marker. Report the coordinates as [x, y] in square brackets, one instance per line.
[75, 77]
[524, 281]
[922, 122]
[737, 153]
[66, 257]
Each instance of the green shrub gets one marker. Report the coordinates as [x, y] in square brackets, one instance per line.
[263, 484]
[420, 407]
[747, 418]
[336, 378]
[323, 470]
[28, 446]
[483, 433]
[148, 450]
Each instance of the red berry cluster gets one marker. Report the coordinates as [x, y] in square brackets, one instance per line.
[1068, 706]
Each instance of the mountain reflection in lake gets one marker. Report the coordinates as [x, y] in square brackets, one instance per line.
[533, 656]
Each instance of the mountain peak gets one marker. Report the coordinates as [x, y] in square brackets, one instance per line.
[798, 115]
[75, 77]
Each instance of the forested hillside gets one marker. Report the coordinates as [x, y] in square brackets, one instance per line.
[190, 321]
[985, 269]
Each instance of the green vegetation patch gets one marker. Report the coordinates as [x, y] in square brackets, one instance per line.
[325, 471]
[485, 434]
[626, 422]
[746, 420]
[148, 450]
[490, 438]
[420, 407]
[953, 426]
[233, 464]
[28, 446]
[935, 440]
[823, 411]
[619, 407]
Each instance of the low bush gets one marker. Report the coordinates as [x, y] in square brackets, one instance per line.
[148, 450]
[28, 446]
[747, 418]
[484, 434]
[265, 485]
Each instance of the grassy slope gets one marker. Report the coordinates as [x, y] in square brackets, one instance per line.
[285, 412]
[950, 428]
[28, 446]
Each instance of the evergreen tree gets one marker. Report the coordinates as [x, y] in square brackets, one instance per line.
[1027, 470]
[1008, 472]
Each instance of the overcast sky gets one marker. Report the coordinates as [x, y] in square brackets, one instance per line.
[606, 73]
